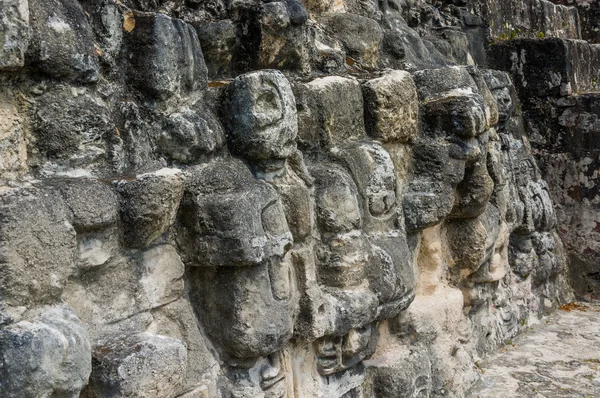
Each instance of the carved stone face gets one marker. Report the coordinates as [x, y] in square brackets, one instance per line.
[342, 252]
[390, 268]
[261, 116]
[472, 244]
[235, 238]
[451, 176]
[337, 353]
[266, 378]
[503, 92]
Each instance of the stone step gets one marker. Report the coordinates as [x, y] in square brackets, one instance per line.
[530, 18]
[589, 17]
[549, 67]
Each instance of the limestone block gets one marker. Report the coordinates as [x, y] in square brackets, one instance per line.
[62, 41]
[330, 111]
[391, 273]
[126, 289]
[373, 171]
[218, 40]
[149, 205]
[106, 19]
[342, 254]
[284, 41]
[72, 131]
[37, 243]
[13, 149]
[569, 70]
[360, 36]
[472, 241]
[49, 354]
[235, 236]
[473, 192]
[165, 56]
[400, 372]
[92, 203]
[392, 108]
[14, 33]
[190, 136]
[137, 365]
[94, 211]
[247, 312]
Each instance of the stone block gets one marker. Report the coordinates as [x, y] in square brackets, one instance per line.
[14, 33]
[165, 56]
[138, 365]
[392, 108]
[71, 131]
[230, 219]
[149, 205]
[330, 111]
[48, 355]
[261, 116]
[62, 41]
[549, 67]
[360, 36]
[37, 245]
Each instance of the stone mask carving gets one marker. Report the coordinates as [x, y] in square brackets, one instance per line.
[235, 237]
[261, 116]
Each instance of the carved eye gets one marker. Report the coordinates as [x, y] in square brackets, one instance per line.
[268, 107]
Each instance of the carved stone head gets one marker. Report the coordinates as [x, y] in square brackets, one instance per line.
[338, 353]
[261, 116]
[235, 240]
[502, 89]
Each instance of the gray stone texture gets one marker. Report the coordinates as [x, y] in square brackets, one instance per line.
[14, 33]
[288, 199]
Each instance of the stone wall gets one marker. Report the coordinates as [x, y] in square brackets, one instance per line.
[265, 199]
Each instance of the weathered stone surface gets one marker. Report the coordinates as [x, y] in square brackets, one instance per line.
[14, 33]
[71, 132]
[230, 219]
[46, 355]
[218, 40]
[37, 245]
[260, 116]
[369, 218]
[235, 234]
[330, 111]
[392, 112]
[13, 150]
[360, 36]
[62, 41]
[149, 205]
[568, 70]
[191, 136]
[400, 372]
[170, 59]
[531, 18]
[139, 365]
[93, 204]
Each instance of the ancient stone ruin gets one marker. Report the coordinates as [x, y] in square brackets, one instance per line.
[289, 199]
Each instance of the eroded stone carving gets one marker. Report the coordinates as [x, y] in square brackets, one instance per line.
[368, 224]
